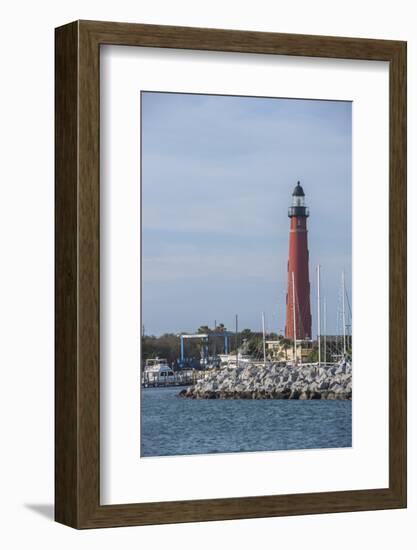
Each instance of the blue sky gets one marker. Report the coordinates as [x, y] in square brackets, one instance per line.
[217, 177]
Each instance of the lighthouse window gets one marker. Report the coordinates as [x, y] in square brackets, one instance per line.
[298, 223]
[298, 201]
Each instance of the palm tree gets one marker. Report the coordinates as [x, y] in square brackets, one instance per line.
[286, 344]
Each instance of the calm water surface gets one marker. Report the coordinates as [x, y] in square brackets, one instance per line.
[176, 426]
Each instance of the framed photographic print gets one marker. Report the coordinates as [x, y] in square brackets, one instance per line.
[230, 274]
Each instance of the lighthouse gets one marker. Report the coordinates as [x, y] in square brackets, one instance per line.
[298, 312]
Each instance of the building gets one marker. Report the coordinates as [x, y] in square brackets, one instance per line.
[298, 311]
[279, 350]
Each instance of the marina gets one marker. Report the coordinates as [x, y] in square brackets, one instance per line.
[273, 370]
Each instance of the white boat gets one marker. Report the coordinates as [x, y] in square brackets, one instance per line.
[229, 360]
[157, 372]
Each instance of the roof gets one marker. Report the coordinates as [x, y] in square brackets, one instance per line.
[298, 191]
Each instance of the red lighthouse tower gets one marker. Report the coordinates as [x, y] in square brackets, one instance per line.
[298, 314]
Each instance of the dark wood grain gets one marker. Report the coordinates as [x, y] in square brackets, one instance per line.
[398, 273]
[78, 285]
[66, 304]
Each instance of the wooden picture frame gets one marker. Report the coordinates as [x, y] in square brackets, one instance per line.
[77, 370]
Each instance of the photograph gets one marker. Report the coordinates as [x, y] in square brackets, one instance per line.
[246, 274]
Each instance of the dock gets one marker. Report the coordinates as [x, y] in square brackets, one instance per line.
[175, 378]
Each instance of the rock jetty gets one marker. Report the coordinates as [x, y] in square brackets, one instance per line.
[274, 381]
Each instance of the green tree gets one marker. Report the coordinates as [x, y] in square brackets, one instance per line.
[313, 356]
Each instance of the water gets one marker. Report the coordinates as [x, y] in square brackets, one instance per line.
[175, 426]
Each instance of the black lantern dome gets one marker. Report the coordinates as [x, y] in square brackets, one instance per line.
[298, 191]
[298, 208]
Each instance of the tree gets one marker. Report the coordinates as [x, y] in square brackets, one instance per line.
[286, 344]
[246, 333]
[313, 356]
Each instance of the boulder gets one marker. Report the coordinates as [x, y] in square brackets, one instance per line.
[274, 381]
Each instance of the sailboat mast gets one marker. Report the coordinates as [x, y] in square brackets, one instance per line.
[263, 336]
[343, 314]
[294, 321]
[324, 329]
[318, 313]
[237, 354]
